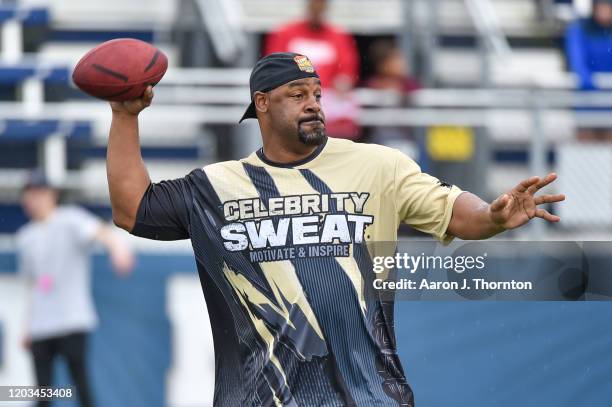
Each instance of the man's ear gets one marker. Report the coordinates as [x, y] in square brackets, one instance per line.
[262, 101]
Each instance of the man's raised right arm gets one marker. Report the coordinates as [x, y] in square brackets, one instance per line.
[128, 178]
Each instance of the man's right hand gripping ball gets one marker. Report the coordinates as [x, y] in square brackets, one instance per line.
[135, 106]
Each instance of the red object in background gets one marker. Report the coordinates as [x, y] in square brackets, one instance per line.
[332, 51]
[334, 54]
[120, 69]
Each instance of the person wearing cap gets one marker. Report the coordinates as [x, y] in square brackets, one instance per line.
[280, 240]
[333, 52]
[53, 256]
[587, 46]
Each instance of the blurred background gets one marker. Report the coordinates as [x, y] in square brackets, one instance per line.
[481, 93]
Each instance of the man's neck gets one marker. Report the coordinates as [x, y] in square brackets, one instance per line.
[285, 155]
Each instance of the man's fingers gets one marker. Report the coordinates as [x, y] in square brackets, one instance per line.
[524, 185]
[549, 199]
[542, 183]
[148, 96]
[500, 203]
[544, 214]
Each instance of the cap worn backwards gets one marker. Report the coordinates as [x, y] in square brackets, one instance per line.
[275, 70]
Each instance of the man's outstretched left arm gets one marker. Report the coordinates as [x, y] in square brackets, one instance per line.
[474, 219]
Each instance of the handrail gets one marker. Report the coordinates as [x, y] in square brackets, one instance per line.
[423, 114]
[445, 98]
[206, 76]
[240, 77]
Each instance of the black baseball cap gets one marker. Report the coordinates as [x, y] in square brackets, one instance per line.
[275, 70]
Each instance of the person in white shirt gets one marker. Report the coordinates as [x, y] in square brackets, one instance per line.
[53, 256]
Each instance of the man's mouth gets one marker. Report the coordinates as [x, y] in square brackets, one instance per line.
[312, 121]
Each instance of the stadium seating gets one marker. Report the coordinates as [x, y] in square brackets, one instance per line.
[177, 137]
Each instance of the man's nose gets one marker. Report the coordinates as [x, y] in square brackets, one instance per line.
[313, 104]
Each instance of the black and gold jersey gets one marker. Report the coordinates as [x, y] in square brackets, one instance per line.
[281, 252]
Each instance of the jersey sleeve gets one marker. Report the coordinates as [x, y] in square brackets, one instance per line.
[164, 210]
[422, 201]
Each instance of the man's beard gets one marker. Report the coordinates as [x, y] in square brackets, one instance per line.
[312, 138]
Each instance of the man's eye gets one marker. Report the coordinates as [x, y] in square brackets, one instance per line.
[297, 96]
[318, 97]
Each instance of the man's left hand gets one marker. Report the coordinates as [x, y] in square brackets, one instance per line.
[519, 205]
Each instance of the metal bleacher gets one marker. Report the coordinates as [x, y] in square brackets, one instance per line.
[48, 122]
[45, 113]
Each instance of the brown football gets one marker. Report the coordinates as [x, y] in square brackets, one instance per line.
[120, 69]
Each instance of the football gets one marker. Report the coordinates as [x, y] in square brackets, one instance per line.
[120, 69]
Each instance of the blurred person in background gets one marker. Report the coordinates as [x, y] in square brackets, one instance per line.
[588, 45]
[53, 255]
[335, 57]
[391, 73]
[391, 70]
